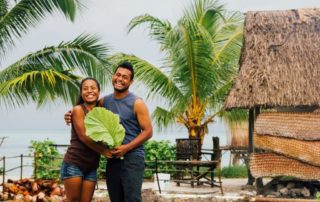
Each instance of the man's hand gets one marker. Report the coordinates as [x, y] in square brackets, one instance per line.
[120, 151]
[67, 117]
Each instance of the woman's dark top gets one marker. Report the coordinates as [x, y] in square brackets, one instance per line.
[79, 154]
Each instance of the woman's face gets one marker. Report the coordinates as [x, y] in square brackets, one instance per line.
[90, 91]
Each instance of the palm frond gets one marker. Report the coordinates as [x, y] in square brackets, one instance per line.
[40, 87]
[4, 6]
[200, 56]
[216, 99]
[191, 59]
[164, 118]
[54, 67]
[158, 29]
[234, 117]
[204, 12]
[157, 81]
[27, 13]
[228, 39]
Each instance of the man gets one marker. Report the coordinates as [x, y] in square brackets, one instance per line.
[125, 170]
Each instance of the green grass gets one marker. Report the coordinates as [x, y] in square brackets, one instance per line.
[234, 172]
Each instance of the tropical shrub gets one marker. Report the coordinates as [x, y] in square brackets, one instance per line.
[162, 151]
[102, 168]
[48, 159]
[318, 196]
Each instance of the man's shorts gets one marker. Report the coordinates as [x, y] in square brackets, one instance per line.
[68, 171]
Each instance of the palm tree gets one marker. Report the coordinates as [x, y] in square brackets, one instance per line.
[200, 57]
[52, 72]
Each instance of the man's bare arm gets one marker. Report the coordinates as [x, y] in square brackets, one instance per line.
[144, 120]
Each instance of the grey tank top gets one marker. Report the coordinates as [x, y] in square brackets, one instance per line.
[125, 109]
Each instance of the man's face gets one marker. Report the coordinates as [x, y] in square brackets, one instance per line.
[121, 79]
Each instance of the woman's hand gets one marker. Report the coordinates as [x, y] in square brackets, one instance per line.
[120, 151]
[108, 154]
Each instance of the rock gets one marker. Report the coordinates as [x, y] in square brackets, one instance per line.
[4, 196]
[284, 191]
[279, 186]
[41, 196]
[56, 198]
[28, 198]
[297, 192]
[148, 195]
[18, 197]
[274, 194]
[306, 192]
[248, 193]
[290, 185]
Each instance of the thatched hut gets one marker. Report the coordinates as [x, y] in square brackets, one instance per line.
[280, 61]
[279, 66]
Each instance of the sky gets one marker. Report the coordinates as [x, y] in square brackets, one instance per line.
[108, 19]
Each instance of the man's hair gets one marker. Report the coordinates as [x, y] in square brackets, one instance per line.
[128, 66]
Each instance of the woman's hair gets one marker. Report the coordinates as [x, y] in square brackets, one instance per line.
[80, 99]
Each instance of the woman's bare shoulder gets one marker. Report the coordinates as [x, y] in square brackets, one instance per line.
[77, 110]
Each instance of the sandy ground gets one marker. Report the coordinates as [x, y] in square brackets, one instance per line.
[231, 189]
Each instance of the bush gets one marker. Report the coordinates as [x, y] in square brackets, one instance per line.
[48, 161]
[234, 172]
[161, 150]
[102, 167]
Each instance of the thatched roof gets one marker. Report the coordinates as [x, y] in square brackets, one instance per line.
[302, 126]
[280, 61]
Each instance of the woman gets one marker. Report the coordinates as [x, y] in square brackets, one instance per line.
[79, 167]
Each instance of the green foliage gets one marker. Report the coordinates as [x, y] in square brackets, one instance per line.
[234, 172]
[47, 161]
[102, 168]
[54, 71]
[200, 55]
[1, 170]
[318, 196]
[161, 150]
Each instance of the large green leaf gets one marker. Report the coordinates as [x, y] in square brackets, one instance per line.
[104, 126]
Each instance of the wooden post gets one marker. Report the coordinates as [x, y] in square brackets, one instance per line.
[259, 181]
[35, 165]
[21, 166]
[216, 148]
[251, 147]
[3, 173]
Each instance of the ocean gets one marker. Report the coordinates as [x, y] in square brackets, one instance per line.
[18, 142]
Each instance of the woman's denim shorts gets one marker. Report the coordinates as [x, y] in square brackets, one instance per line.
[68, 171]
